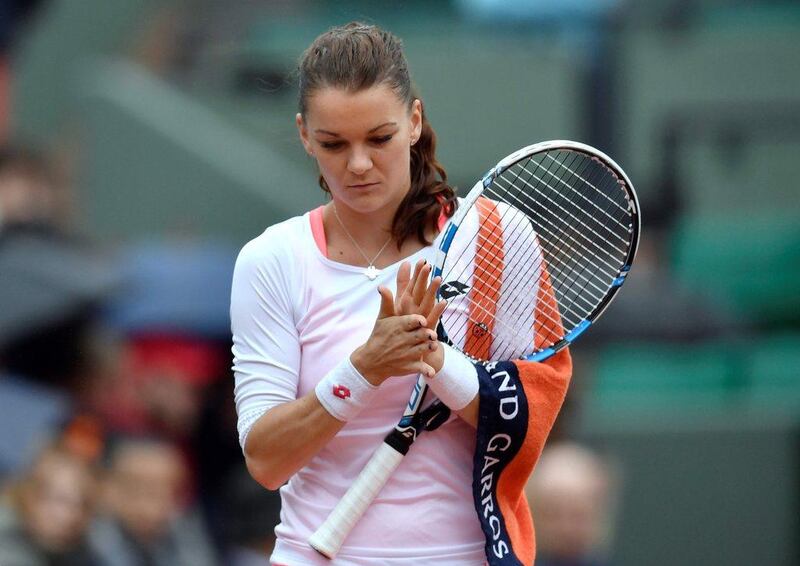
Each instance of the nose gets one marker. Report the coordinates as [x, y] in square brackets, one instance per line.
[359, 161]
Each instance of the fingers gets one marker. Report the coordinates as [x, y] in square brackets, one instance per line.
[409, 282]
[425, 347]
[425, 369]
[403, 279]
[387, 303]
[435, 314]
[429, 298]
[405, 287]
[416, 295]
[421, 282]
[425, 335]
[418, 268]
[413, 321]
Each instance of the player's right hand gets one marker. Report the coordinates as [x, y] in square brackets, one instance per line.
[396, 345]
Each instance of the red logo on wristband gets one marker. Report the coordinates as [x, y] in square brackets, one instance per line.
[341, 391]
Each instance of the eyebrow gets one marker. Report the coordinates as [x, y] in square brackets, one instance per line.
[321, 131]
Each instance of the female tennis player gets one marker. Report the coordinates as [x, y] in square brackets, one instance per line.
[331, 327]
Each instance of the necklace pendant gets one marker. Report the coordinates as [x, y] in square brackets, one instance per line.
[372, 272]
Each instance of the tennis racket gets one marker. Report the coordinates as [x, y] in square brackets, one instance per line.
[534, 254]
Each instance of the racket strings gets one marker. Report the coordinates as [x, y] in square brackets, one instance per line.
[601, 291]
[572, 249]
[572, 216]
[497, 257]
[554, 227]
[552, 223]
[552, 231]
[523, 272]
[589, 298]
[479, 313]
[596, 165]
[477, 300]
[570, 289]
[501, 328]
[599, 192]
[519, 267]
[567, 308]
[490, 250]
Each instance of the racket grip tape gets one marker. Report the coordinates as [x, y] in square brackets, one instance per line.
[329, 537]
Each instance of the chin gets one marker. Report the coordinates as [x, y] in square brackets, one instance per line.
[365, 201]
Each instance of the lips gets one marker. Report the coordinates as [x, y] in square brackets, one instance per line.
[361, 185]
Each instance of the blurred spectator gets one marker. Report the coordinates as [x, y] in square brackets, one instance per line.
[44, 518]
[173, 314]
[51, 280]
[13, 18]
[29, 413]
[570, 494]
[218, 459]
[49, 288]
[30, 192]
[161, 384]
[146, 520]
[173, 376]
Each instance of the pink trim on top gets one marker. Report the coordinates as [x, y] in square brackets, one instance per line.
[442, 220]
[442, 217]
[318, 230]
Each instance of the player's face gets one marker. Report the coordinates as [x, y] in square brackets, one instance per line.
[362, 143]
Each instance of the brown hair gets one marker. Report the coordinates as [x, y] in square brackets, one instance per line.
[358, 56]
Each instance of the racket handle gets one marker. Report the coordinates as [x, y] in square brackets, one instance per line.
[329, 537]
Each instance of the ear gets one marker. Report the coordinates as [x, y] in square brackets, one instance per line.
[303, 131]
[416, 120]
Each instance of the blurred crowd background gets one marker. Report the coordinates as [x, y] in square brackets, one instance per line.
[142, 143]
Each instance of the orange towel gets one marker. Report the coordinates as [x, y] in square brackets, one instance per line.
[519, 402]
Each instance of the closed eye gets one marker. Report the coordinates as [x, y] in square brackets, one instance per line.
[331, 144]
[334, 145]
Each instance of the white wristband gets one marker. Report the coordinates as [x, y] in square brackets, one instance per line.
[456, 384]
[344, 392]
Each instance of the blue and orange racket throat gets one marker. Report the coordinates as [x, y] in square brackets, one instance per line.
[534, 254]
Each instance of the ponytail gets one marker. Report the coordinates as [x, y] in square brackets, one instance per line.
[430, 195]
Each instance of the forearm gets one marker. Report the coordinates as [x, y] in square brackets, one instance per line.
[469, 414]
[292, 433]
[286, 438]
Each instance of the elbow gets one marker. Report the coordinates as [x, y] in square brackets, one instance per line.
[272, 484]
[264, 473]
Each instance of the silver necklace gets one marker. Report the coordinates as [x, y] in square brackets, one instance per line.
[371, 271]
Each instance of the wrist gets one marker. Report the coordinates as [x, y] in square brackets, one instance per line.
[344, 392]
[456, 383]
[360, 363]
